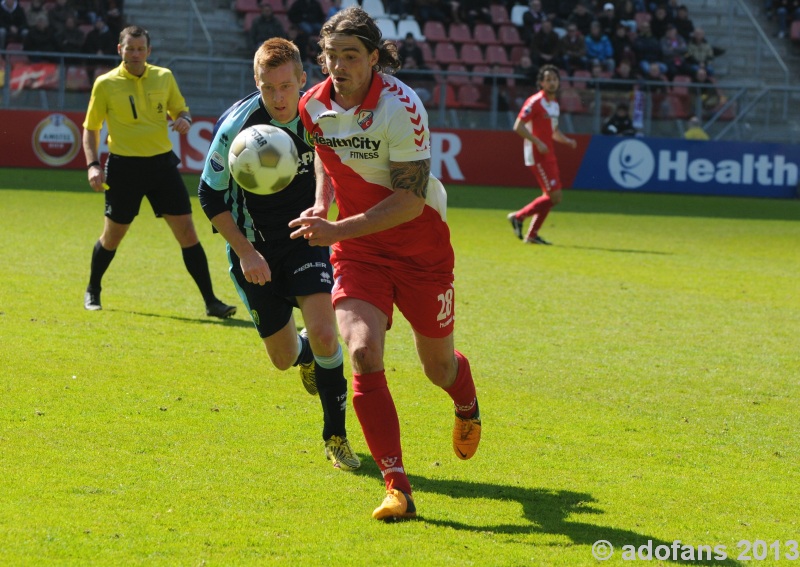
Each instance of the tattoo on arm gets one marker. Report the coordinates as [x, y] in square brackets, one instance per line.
[411, 176]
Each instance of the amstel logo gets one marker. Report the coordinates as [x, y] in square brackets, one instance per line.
[56, 140]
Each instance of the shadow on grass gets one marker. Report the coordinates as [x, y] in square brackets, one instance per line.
[547, 511]
[620, 250]
[201, 321]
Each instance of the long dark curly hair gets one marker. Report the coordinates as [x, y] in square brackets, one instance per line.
[356, 22]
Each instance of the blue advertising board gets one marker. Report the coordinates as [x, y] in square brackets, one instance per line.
[663, 165]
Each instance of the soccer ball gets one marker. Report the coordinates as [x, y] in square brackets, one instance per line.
[263, 159]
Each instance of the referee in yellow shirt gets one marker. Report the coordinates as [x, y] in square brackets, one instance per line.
[134, 100]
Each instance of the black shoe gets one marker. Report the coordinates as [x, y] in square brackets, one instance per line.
[91, 301]
[516, 224]
[216, 308]
[537, 240]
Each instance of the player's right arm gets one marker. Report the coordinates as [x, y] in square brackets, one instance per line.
[91, 145]
[522, 130]
[254, 266]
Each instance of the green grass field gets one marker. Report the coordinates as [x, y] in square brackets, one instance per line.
[638, 382]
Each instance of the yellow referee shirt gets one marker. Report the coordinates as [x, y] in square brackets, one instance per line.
[136, 110]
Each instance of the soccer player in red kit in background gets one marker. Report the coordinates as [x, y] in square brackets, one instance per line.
[537, 123]
[391, 244]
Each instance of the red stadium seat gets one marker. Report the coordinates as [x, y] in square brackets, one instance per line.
[460, 33]
[77, 79]
[517, 51]
[427, 52]
[470, 96]
[484, 34]
[496, 55]
[445, 53]
[499, 14]
[434, 31]
[450, 100]
[509, 36]
[579, 78]
[245, 6]
[570, 101]
[479, 72]
[471, 54]
[457, 79]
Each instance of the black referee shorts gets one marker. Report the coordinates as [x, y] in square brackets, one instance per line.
[130, 179]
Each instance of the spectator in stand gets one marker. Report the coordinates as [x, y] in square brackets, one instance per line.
[336, 5]
[619, 124]
[59, 13]
[704, 89]
[648, 49]
[623, 77]
[473, 12]
[573, 50]
[33, 11]
[70, 40]
[527, 70]
[699, 53]
[563, 10]
[660, 21]
[13, 23]
[581, 17]
[307, 15]
[608, 19]
[622, 44]
[265, 27]
[684, 25]
[598, 47]
[114, 17]
[658, 87]
[100, 40]
[41, 37]
[695, 130]
[409, 48]
[545, 45]
[301, 39]
[410, 74]
[786, 11]
[537, 13]
[673, 50]
[626, 12]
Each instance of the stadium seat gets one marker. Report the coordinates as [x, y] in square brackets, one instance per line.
[460, 77]
[499, 14]
[410, 25]
[388, 28]
[570, 101]
[579, 78]
[18, 56]
[445, 54]
[517, 12]
[517, 51]
[77, 79]
[427, 51]
[245, 6]
[471, 54]
[479, 73]
[496, 55]
[450, 100]
[680, 85]
[794, 31]
[460, 33]
[434, 31]
[484, 34]
[509, 36]
[470, 96]
[249, 18]
[374, 8]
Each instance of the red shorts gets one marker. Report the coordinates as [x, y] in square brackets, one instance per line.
[425, 298]
[546, 174]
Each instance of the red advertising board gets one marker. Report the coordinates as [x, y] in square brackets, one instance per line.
[473, 157]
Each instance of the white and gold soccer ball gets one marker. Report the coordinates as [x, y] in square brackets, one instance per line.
[263, 159]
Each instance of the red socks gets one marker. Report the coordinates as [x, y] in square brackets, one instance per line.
[538, 209]
[463, 389]
[377, 414]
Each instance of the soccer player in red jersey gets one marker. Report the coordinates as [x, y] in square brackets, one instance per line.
[391, 243]
[537, 123]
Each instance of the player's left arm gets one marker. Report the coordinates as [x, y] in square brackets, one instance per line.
[559, 137]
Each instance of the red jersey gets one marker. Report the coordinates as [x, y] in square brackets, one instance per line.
[540, 117]
[356, 146]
